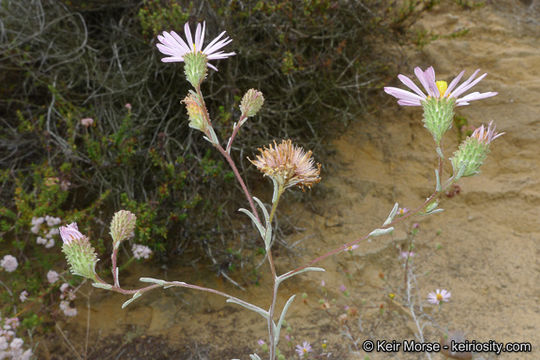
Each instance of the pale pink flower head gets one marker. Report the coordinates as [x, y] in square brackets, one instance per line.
[52, 276]
[486, 135]
[70, 233]
[439, 296]
[9, 263]
[437, 89]
[23, 296]
[87, 122]
[174, 47]
[352, 247]
[303, 349]
[402, 211]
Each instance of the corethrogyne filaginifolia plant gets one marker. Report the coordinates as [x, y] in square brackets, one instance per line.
[287, 165]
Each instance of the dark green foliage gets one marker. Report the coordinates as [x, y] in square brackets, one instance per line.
[316, 62]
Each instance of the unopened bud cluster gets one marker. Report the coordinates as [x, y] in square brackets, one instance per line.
[122, 226]
[251, 103]
[195, 113]
[473, 151]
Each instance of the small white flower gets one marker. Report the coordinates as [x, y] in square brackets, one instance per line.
[3, 343]
[37, 221]
[35, 229]
[52, 221]
[87, 122]
[9, 263]
[141, 251]
[52, 232]
[67, 309]
[23, 296]
[49, 244]
[41, 241]
[52, 276]
[16, 343]
[64, 287]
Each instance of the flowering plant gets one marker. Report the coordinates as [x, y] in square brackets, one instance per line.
[287, 165]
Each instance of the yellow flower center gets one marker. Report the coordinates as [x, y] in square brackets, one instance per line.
[442, 86]
[439, 297]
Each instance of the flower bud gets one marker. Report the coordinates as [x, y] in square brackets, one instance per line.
[251, 103]
[473, 151]
[80, 254]
[122, 226]
[195, 113]
[438, 116]
[195, 68]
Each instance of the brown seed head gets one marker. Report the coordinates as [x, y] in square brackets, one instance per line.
[288, 164]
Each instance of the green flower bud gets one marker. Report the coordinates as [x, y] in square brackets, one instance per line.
[469, 156]
[80, 254]
[122, 226]
[195, 113]
[195, 67]
[473, 151]
[251, 103]
[438, 116]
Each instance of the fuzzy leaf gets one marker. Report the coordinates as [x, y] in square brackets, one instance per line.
[282, 318]
[390, 217]
[251, 307]
[285, 276]
[380, 232]
[135, 297]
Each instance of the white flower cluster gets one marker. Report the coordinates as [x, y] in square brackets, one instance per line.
[141, 251]
[51, 222]
[52, 276]
[9, 263]
[11, 347]
[67, 296]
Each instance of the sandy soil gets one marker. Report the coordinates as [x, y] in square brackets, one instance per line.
[484, 247]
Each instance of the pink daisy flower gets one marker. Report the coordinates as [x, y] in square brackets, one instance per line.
[486, 135]
[70, 233]
[439, 296]
[303, 349]
[437, 89]
[172, 45]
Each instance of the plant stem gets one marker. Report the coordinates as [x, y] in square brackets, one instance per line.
[272, 339]
[228, 157]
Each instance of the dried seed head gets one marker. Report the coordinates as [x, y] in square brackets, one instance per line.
[288, 165]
